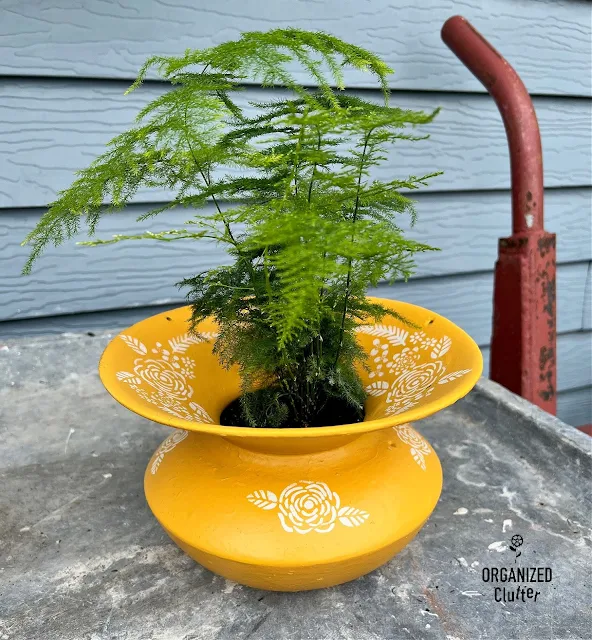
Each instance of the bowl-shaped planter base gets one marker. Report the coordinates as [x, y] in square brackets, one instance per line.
[292, 509]
[289, 522]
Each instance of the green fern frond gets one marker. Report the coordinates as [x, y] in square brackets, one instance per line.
[286, 185]
[164, 236]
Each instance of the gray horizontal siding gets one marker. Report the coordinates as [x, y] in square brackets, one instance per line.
[465, 226]
[132, 276]
[547, 41]
[55, 119]
[587, 316]
[574, 355]
[575, 407]
[53, 128]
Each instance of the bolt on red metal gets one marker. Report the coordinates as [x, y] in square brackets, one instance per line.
[523, 341]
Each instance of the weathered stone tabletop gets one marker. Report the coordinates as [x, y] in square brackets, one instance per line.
[81, 557]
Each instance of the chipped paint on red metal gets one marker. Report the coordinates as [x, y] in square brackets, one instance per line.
[523, 343]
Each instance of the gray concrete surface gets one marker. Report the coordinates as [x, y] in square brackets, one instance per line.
[81, 557]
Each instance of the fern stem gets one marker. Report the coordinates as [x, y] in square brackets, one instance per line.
[314, 167]
[208, 183]
[317, 338]
[227, 286]
[349, 264]
[266, 273]
[294, 176]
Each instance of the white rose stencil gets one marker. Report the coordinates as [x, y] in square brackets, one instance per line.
[409, 366]
[162, 376]
[308, 506]
[167, 377]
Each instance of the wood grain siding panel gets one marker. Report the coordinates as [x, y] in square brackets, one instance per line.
[548, 41]
[66, 65]
[49, 129]
[587, 314]
[464, 225]
[574, 354]
[575, 406]
[119, 276]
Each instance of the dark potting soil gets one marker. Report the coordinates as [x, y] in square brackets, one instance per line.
[335, 411]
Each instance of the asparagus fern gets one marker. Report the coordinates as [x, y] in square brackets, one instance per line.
[307, 229]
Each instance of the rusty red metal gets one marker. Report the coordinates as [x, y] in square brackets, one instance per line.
[586, 428]
[523, 342]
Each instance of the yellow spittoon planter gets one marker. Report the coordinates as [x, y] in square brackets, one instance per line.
[291, 509]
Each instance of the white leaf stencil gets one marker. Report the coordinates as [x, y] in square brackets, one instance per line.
[122, 375]
[442, 347]
[377, 389]
[159, 458]
[453, 376]
[352, 517]
[199, 413]
[182, 343]
[209, 335]
[395, 335]
[263, 499]
[418, 457]
[134, 344]
[168, 445]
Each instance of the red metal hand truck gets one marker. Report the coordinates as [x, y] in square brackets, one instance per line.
[523, 341]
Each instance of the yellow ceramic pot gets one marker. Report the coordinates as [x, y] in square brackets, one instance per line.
[291, 509]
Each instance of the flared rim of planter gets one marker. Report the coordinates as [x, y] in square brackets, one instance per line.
[459, 371]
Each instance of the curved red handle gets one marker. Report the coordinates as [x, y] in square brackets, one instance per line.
[517, 110]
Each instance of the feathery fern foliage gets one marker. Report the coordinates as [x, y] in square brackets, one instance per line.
[307, 228]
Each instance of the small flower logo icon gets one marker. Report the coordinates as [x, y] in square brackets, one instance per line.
[516, 542]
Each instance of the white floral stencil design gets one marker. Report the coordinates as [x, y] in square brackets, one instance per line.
[162, 376]
[168, 445]
[308, 506]
[419, 448]
[406, 367]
